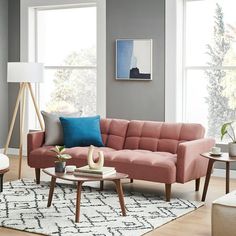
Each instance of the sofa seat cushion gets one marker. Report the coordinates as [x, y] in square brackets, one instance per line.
[43, 158]
[145, 165]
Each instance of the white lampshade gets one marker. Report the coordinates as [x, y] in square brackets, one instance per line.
[18, 72]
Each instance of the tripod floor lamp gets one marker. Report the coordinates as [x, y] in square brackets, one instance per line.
[23, 73]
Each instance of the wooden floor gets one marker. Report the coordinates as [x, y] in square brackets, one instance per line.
[195, 223]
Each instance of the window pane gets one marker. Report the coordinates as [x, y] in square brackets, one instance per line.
[211, 98]
[196, 109]
[210, 29]
[67, 36]
[67, 91]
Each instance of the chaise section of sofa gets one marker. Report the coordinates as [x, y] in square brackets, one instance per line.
[146, 150]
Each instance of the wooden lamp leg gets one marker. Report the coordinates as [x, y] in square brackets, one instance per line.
[35, 106]
[22, 119]
[22, 98]
[13, 118]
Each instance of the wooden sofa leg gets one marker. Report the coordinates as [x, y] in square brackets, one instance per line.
[37, 175]
[168, 192]
[131, 180]
[101, 185]
[197, 184]
[1, 182]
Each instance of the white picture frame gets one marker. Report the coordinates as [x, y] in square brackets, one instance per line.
[134, 59]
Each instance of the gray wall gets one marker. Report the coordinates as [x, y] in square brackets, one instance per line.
[13, 56]
[136, 19]
[3, 71]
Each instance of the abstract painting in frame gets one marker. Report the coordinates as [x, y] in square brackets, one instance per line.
[134, 59]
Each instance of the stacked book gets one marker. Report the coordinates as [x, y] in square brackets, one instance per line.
[97, 173]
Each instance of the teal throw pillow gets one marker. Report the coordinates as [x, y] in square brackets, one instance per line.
[82, 131]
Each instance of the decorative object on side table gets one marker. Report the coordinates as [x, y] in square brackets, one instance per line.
[62, 157]
[99, 164]
[95, 169]
[215, 152]
[228, 129]
[70, 168]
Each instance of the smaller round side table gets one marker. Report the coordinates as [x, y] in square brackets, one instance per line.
[224, 157]
[4, 167]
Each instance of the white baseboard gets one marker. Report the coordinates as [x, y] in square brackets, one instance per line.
[222, 173]
[13, 151]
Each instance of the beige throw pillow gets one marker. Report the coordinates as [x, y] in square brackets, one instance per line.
[53, 128]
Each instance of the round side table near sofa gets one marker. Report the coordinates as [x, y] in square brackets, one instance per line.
[4, 167]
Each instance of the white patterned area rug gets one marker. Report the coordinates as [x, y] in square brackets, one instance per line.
[23, 206]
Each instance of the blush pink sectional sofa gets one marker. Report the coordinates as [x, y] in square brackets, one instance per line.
[145, 150]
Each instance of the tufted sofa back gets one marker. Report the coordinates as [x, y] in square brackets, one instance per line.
[114, 132]
[160, 136]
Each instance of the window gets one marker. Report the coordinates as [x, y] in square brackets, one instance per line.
[209, 63]
[204, 39]
[200, 63]
[53, 32]
[65, 41]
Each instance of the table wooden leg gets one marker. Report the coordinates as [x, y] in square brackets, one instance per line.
[121, 196]
[52, 186]
[79, 188]
[209, 168]
[227, 177]
[101, 185]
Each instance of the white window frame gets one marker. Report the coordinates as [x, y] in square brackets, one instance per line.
[186, 68]
[175, 66]
[174, 60]
[28, 36]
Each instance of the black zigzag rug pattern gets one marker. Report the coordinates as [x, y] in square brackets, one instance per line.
[23, 206]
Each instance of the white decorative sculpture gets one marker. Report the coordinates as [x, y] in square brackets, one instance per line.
[91, 163]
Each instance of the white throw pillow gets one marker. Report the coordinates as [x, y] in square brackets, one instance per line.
[53, 128]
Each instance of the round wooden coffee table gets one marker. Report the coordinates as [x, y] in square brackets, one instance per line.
[224, 157]
[116, 178]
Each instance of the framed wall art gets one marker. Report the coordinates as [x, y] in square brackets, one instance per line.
[134, 59]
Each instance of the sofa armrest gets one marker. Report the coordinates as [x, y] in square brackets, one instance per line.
[190, 165]
[35, 140]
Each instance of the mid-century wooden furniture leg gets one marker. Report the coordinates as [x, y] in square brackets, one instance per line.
[79, 188]
[35, 105]
[21, 98]
[13, 118]
[52, 186]
[37, 174]
[197, 184]
[168, 192]
[207, 180]
[121, 195]
[22, 118]
[101, 185]
[227, 177]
